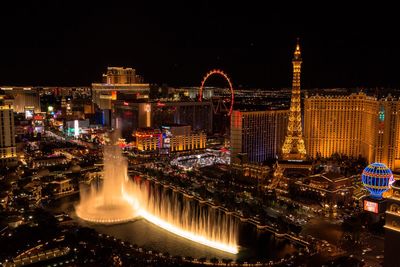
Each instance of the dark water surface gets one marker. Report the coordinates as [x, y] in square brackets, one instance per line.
[253, 244]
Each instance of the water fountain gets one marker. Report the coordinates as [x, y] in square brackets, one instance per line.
[107, 203]
[119, 200]
[185, 216]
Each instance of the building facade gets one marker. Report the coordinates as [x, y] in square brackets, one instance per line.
[119, 83]
[199, 115]
[121, 75]
[250, 170]
[172, 138]
[148, 139]
[133, 115]
[354, 125]
[257, 135]
[188, 142]
[332, 189]
[8, 150]
[26, 99]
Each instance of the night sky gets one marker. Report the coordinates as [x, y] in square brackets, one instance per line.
[67, 44]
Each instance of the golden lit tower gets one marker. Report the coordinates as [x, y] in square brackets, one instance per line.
[293, 148]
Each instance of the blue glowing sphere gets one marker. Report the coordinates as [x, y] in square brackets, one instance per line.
[377, 179]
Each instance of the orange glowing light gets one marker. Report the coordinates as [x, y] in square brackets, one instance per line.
[114, 95]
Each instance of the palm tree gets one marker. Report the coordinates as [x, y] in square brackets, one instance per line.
[227, 261]
[214, 261]
[203, 260]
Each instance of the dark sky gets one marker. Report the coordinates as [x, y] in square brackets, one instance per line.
[176, 42]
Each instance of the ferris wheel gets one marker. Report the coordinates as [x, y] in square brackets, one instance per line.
[222, 103]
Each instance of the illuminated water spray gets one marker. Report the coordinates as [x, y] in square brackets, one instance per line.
[106, 203]
[120, 200]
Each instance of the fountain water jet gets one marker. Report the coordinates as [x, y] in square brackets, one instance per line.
[120, 200]
[185, 216]
[107, 204]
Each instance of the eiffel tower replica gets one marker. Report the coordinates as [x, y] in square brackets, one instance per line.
[293, 158]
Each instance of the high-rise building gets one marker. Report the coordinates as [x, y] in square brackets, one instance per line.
[181, 138]
[354, 125]
[257, 135]
[199, 115]
[119, 83]
[26, 99]
[8, 151]
[387, 143]
[293, 147]
[121, 75]
[172, 138]
[148, 139]
[134, 115]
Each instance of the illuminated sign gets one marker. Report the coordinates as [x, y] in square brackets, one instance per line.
[38, 117]
[76, 128]
[370, 206]
[114, 95]
[105, 96]
[160, 104]
[28, 114]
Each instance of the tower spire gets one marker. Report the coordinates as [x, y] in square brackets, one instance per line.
[297, 52]
[293, 147]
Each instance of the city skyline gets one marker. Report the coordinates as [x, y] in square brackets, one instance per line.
[176, 134]
[69, 44]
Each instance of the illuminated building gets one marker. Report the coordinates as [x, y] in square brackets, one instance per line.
[251, 170]
[353, 125]
[39, 162]
[193, 92]
[199, 115]
[181, 138]
[257, 136]
[8, 153]
[121, 75]
[62, 186]
[387, 133]
[25, 98]
[33, 193]
[76, 107]
[293, 147]
[392, 227]
[330, 188]
[66, 106]
[148, 139]
[172, 138]
[133, 115]
[192, 141]
[119, 83]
